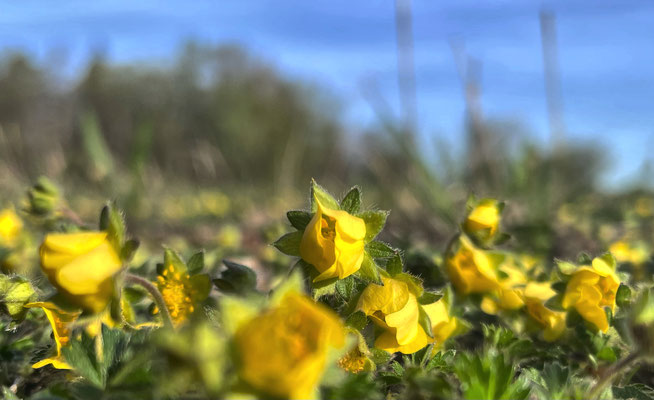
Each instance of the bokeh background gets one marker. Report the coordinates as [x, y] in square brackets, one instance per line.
[206, 120]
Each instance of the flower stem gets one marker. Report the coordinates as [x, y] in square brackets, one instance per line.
[612, 372]
[132, 279]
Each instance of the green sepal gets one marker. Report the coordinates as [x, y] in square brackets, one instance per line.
[425, 322]
[378, 249]
[129, 249]
[429, 298]
[351, 203]
[172, 258]
[414, 283]
[584, 259]
[394, 265]
[299, 219]
[357, 320]
[195, 264]
[289, 244]
[326, 199]
[565, 267]
[369, 270]
[623, 295]
[112, 221]
[375, 221]
[236, 279]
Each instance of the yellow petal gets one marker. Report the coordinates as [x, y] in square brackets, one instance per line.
[73, 243]
[405, 321]
[85, 273]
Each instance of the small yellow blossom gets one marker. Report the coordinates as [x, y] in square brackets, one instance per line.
[394, 307]
[10, 226]
[553, 322]
[59, 320]
[592, 288]
[182, 292]
[284, 350]
[333, 243]
[483, 220]
[354, 361]
[471, 269]
[626, 252]
[81, 266]
[509, 293]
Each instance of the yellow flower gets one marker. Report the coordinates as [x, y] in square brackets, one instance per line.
[81, 266]
[283, 351]
[354, 361]
[182, 292]
[471, 269]
[509, 294]
[333, 243]
[592, 288]
[553, 322]
[626, 252]
[10, 226]
[394, 307]
[483, 220]
[59, 321]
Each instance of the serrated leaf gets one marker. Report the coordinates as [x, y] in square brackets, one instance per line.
[357, 320]
[378, 249]
[80, 354]
[375, 221]
[635, 391]
[299, 219]
[195, 264]
[326, 199]
[289, 244]
[352, 201]
[369, 270]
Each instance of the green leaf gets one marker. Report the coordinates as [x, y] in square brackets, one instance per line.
[345, 287]
[375, 221]
[369, 270]
[80, 354]
[299, 219]
[635, 391]
[429, 298]
[289, 244]
[425, 322]
[326, 199]
[394, 266]
[196, 263]
[236, 279]
[378, 249]
[607, 354]
[357, 320]
[352, 201]
[623, 296]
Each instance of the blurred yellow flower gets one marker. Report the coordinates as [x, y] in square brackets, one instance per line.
[333, 243]
[81, 266]
[536, 294]
[59, 320]
[354, 361]
[483, 220]
[10, 226]
[471, 269]
[284, 351]
[182, 292]
[592, 288]
[394, 307]
[626, 252]
[509, 293]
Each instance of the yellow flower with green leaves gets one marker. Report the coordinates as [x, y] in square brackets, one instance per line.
[333, 243]
[395, 308]
[59, 320]
[283, 350]
[536, 294]
[10, 226]
[471, 269]
[591, 288]
[332, 238]
[509, 293]
[181, 289]
[81, 266]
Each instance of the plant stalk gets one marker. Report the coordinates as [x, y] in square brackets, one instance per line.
[132, 279]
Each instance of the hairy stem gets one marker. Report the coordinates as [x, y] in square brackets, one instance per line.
[608, 376]
[132, 279]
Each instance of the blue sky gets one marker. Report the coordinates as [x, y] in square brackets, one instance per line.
[606, 55]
